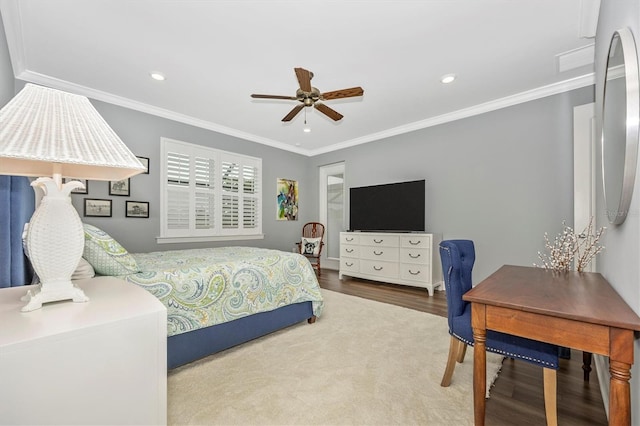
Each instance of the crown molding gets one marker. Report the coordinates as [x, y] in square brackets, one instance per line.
[45, 80]
[530, 95]
[12, 22]
[552, 89]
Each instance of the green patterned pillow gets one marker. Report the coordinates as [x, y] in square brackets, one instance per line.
[105, 254]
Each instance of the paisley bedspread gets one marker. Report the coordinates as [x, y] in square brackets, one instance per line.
[204, 287]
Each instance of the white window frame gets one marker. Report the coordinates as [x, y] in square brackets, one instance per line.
[217, 232]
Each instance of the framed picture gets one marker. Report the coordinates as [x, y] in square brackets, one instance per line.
[94, 207]
[145, 163]
[120, 187]
[78, 190]
[287, 199]
[137, 209]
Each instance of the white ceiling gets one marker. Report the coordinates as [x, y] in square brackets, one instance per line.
[216, 53]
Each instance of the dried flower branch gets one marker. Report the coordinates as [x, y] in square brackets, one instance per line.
[570, 249]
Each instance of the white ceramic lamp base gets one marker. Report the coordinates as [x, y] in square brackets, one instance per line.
[55, 242]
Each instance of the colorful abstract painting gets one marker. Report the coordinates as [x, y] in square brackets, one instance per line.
[287, 199]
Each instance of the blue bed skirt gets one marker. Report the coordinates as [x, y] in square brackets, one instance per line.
[187, 347]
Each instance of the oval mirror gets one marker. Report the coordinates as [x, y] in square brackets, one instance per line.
[620, 115]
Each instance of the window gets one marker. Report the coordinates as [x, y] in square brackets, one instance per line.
[208, 194]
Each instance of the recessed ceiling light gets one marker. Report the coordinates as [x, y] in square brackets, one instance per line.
[447, 78]
[157, 76]
[307, 130]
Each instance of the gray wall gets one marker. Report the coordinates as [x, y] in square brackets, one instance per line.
[142, 132]
[619, 261]
[502, 178]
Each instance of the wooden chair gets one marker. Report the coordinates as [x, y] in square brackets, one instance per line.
[311, 243]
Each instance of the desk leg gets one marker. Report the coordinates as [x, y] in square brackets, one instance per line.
[586, 365]
[478, 323]
[620, 361]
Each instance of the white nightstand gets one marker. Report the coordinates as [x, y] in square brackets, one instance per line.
[99, 362]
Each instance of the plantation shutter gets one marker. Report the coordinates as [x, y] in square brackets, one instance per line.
[250, 197]
[205, 193]
[178, 167]
[209, 192]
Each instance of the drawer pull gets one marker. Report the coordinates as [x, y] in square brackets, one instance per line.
[348, 239]
[378, 268]
[377, 241]
[414, 257]
[348, 250]
[414, 244]
[378, 253]
[414, 273]
[348, 263]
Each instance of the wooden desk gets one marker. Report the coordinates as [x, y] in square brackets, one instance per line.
[577, 310]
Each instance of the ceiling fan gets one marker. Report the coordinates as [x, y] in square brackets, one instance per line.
[309, 96]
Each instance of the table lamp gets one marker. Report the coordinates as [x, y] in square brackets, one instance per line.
[51, 133]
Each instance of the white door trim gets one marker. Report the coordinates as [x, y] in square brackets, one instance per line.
[323, 173]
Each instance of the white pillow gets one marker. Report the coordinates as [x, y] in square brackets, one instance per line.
[84, 270]
[311, 246]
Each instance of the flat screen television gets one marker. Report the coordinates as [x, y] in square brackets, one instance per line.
[393, 207]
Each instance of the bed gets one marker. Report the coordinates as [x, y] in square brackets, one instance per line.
[216, 298]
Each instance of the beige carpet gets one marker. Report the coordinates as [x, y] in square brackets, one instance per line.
[361, 363]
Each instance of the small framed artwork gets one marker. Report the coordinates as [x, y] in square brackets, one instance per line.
[145, 163]
[84, 190]
[94, 207]
[120, 187]
[137, 209]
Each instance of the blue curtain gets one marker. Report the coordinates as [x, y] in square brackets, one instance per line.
[16, 207]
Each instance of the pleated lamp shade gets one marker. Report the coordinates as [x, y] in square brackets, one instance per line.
[41, 127]
[49, 133]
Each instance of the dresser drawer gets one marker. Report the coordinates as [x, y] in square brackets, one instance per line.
[387, 254]
[379, 240]
[416, 241]
[348, 264]
[414, 255]
[349, 238]
[415, 272]
[348, 250]
[379, 268]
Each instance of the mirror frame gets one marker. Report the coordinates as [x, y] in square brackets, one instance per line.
[617, 212]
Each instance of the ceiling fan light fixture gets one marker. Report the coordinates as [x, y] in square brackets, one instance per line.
[158, 76]
[447, 78]
[308, 97]
[306, 128]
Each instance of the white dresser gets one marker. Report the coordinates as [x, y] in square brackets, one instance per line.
[99, 362]
[399, 258]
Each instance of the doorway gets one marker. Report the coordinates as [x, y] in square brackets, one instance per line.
[332, 211]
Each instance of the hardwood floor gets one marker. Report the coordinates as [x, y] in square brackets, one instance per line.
[516, 398]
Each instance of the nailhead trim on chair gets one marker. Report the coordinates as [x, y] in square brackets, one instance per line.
[508, 354]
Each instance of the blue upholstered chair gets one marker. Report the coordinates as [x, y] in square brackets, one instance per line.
[458, 257]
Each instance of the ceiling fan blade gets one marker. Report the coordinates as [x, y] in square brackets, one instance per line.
[344, 93]
[331, 113]
[304, 79]
[293, 112]
[292, 98]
